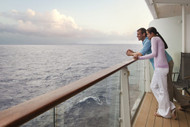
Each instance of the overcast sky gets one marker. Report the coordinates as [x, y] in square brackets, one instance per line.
[72, 21]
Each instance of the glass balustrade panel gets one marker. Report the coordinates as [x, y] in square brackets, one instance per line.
[136, 85]
[97, 106]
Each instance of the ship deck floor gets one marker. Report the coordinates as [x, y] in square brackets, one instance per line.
[145, 116]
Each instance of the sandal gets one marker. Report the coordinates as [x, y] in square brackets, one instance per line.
[181, 109]
[184, 108]
[174, 114]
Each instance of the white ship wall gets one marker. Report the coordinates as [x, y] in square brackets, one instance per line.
[171, 31]
[188, 34]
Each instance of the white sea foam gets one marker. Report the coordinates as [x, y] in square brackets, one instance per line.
[94, 98]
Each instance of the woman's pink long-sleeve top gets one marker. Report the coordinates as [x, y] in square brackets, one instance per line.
[158, 52]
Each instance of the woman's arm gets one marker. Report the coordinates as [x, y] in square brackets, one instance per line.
[154, 48]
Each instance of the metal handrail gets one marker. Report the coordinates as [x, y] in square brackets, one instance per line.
[28, 110]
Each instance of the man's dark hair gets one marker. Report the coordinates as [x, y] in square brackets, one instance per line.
[143, 30]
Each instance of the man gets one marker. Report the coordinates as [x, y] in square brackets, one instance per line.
[172, 90]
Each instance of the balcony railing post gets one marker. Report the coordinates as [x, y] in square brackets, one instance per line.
[147, 76]
[125, 114]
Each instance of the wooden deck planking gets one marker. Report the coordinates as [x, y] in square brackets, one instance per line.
[158, 122]
[146, 118]
[188, 117]
[167, 123]
[182, 119]
[143, 113]
[174, 123]
[151, 118]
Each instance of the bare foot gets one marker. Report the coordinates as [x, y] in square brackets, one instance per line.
[156, 114]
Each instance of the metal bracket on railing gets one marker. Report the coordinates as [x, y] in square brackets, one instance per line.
[125, 113]
[120, 120]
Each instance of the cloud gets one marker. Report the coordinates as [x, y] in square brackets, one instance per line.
[52, 24]
[43, 24]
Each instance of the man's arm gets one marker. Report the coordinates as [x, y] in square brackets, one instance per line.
[146, 47]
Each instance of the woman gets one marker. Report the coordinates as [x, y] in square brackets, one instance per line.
[166, 108]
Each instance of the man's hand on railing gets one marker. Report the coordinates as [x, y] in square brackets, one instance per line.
[132, 53]
[129, 52]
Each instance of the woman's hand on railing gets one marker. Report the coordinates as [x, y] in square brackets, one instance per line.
[135, 57]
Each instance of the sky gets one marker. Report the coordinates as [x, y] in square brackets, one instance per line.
[72, 21]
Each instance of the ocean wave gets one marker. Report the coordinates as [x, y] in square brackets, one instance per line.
[90, 99]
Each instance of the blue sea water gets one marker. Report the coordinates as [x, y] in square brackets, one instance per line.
[27, 71]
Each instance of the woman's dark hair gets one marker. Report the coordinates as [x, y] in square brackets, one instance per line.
[153, 30]
[143, 30]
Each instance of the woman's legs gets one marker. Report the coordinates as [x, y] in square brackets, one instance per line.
[159, 89]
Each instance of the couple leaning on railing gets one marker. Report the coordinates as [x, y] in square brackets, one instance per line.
[164, 92]
[161, 85]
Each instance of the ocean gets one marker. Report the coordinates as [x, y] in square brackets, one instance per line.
[27, 71]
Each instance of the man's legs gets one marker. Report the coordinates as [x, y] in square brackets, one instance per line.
[169, 80]
[172, 90]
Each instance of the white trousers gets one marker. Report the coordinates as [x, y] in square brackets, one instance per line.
[159, 89]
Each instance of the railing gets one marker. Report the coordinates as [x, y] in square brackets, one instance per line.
[20, 114]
